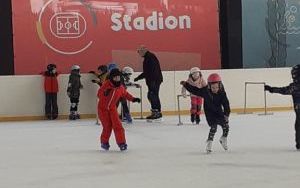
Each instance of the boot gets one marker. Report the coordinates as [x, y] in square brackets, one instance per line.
[209, 146]
[105, 146]
[223, 142]
[128, 118]
[192, 118]
[197, 119]
[72, 115]
[123, 147]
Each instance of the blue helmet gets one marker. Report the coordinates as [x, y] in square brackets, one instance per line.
[112, 66]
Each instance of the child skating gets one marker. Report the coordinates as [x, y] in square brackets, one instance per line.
[294, 90]
[109, 95]
[216, 107]
[195, 79]
[73, 91]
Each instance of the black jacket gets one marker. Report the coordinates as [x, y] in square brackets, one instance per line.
[74, 85]
[292, 89]
[216, 106]
[151, 69]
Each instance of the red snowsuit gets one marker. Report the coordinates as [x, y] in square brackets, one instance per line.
[108, 96]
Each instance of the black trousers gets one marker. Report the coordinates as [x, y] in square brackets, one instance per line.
[51, 109]
[153, 95]
[125, 109]
[297, 127]
[213, 128]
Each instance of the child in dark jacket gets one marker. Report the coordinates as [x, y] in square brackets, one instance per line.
[216, 107]
[51, 90]
[73, 91]
[109, 95]
[294, 90]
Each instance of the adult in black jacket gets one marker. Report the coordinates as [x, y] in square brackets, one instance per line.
[216, 107]
[294, 90]
[153, 76]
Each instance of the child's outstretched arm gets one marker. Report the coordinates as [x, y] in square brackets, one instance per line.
[194, 90]
[288, 90]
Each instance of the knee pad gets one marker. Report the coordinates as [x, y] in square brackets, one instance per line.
[73, 105]
[213, 130]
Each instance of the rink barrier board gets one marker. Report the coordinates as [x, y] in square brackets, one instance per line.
[137, 114]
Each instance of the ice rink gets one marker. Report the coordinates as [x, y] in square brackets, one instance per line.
[65, 154]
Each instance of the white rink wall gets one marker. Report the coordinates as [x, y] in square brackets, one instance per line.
[24, 95]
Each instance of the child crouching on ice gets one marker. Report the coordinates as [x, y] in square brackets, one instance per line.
[195, 79]
[109, 94]
[294, 90]
[216, 107]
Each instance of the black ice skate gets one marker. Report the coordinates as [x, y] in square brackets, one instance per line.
[72, 116]
[197, 119]
[123, 147]
[192, 118]
[105, 146]
[156, 116]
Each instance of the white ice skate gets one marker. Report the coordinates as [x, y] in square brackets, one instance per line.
[209, 146]
[223, 142]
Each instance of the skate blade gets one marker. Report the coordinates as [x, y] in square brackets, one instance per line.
[155, 120]
[208, 151]
[224, 147]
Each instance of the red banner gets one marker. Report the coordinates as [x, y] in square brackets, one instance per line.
[181, 33]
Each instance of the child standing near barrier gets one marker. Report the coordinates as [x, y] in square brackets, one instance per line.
[294, 90]
[195, 79]
[216, 107]
[109, 95]
[101, 75]
[51, 90]
[73, 91]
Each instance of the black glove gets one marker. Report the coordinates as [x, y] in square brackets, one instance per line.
[183, 83]
[136, 79]
[269, 88]
[226, 118]
[92, 72]
[138, 100]
[137, 85]
[94, 81]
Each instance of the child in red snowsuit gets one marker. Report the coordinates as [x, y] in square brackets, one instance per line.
[109, 94]
[51, 90]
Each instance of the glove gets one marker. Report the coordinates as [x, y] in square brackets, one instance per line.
[183, 83]
[137, 85]
[269, 88]
[136, 79]
[138, 100]
[94, 81]
[92, 72]
[226, 118]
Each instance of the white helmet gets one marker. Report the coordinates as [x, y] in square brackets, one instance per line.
[194, 70]
[127, 70]
[75, 67]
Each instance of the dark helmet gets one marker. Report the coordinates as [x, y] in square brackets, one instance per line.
[113, 73]
[50, 67]
[296, 73]
[103, 68]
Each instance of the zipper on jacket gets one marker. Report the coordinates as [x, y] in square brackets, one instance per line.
[111, 99]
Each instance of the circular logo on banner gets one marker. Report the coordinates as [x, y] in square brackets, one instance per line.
[64, 30]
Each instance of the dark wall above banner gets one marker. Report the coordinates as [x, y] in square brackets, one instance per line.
[6, 41]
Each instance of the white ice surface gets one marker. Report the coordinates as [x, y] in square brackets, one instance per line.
[65, 154]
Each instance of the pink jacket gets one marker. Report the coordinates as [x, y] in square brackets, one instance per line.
[200, 82]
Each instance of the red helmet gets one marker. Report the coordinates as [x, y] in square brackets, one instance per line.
[214, 78]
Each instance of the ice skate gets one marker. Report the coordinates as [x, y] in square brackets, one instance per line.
[209, 146]
[192, 118]
[104, 146]
[197, 119]
[123, 147]
[156, 116]
[223, 142]
[298, 147]
[127, 118]
[72, 116]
